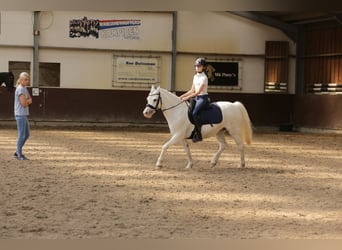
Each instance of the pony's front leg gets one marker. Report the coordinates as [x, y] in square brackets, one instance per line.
[188, 154]
[242, 156]
[173, 140]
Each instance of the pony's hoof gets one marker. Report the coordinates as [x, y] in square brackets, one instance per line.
[212, 164]
[158, 167]
[189, 166]
[242, 165]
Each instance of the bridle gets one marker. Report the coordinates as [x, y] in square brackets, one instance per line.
[156, 108]
[158, 101]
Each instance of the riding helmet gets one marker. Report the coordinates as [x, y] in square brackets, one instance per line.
[200, 61]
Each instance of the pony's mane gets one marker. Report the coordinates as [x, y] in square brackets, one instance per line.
[167, 91]
[169, 95]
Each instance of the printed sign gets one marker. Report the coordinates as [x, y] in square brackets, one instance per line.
[122, 29]
[136, 70]
[127, 29]
[223, 73]
[84, 28]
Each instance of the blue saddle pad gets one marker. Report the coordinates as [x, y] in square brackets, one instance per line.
[210, 115]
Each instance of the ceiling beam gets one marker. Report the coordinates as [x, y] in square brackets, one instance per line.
[289, 29]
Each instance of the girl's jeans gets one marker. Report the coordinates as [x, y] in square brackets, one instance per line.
[23, 132]
[201, 101]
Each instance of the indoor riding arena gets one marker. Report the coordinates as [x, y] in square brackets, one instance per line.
[103, 184]
[91, 171]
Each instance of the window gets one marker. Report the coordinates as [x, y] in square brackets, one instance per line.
[323, 61]
[276, 66]
[16, 67]
[49, 74]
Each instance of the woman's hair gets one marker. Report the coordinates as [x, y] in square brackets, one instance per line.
[22, 76]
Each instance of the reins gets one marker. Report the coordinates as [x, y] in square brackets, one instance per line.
[172, 106]
[160, 100]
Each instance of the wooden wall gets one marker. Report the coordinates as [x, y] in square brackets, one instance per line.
[119, 106]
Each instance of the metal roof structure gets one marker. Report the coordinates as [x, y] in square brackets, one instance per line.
[291, 22]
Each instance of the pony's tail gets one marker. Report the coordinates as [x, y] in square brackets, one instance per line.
[247, 131]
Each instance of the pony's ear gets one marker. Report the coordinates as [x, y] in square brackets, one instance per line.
[154, 87]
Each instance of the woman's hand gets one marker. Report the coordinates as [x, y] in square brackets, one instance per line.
[29, 100]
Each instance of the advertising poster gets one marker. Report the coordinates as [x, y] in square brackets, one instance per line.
[139, 70]
[126, 29]
[223, 73]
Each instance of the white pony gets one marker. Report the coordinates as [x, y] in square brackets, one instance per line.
[235, 120]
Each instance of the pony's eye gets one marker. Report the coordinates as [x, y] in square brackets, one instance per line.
[154, 100]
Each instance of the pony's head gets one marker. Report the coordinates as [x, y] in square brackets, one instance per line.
[7, 80]
[153, 102]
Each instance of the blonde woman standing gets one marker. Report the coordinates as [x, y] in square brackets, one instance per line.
[22, 100]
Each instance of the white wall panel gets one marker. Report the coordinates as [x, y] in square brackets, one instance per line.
[16, 28]
[87, 62]
[14, 54]
[220, 32]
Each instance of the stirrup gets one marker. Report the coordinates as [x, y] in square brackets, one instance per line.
[197, 137]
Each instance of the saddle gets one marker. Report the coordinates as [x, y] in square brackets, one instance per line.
[210, 114]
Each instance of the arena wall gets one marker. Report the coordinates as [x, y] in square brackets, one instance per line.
[87, 94]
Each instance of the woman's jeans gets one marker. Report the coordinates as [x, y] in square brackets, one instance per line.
[23, 132]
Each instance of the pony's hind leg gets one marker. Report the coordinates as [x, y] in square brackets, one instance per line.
[222, 146]
[239, 142]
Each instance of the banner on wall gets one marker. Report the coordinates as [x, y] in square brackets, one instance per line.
[223, 73]
[139, 71]
[126, 29]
